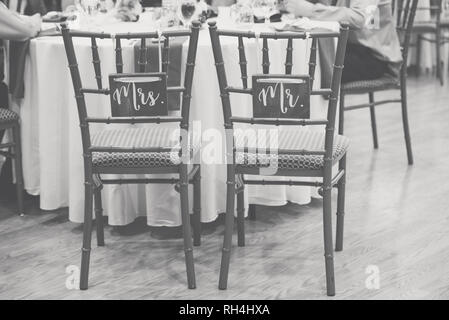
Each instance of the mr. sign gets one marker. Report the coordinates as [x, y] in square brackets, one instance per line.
[281, 96]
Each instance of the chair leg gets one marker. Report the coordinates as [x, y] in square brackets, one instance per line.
[328, 246]
[418, 55]
[373, 120]
[241, 218]
[229, 224]
[87, 235]
[197, 209]
[341, 207]
[185, 215]
[99, 217]
[408, 143]
[341, 116]
[18, 168]
[252, 212]
[440, 71]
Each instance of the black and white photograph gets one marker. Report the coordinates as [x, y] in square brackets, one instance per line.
[224, 150]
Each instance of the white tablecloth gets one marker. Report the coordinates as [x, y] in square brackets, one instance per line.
[52, 152]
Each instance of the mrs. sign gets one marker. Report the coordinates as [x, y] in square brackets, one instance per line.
[141, 94]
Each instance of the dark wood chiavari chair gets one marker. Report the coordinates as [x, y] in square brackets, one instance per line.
[103, 154]
[308, 160]
[10, 120]
[434, 26]
[406, 13]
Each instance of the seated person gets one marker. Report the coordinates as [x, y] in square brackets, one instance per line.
[14, 26]
[373, 46]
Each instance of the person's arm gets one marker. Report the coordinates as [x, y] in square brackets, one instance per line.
[355, 16]
[17, 27]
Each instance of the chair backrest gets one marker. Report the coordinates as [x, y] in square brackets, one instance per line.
[164, 37]
[331, 92]
[435, 9]
[406, 12]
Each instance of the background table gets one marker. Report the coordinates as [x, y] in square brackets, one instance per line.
[52, 152]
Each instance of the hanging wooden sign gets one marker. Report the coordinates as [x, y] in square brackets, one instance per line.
[138, 94]
[281, 96]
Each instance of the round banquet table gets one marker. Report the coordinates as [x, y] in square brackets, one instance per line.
[52, 151]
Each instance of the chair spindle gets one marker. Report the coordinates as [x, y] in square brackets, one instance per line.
[289, 59]
[96, 62]
[265, 57]
[118, 55]
[243, 63]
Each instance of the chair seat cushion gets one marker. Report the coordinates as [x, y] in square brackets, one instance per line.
[156, 136]
[290, 139]
[363, 86]
[7, 115]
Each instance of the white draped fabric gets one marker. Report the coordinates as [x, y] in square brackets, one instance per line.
[52, 152]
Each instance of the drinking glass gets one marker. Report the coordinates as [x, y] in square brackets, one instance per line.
[264, 8]
[186, 11]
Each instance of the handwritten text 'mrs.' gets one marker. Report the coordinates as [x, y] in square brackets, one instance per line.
[139, 98]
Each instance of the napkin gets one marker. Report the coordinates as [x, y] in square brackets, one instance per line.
[17, 55]
[174, 66]
[303, 24]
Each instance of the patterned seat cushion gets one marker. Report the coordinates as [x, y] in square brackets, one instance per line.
[290, 139]
[7, 115]
[157, 136]
[362, 86]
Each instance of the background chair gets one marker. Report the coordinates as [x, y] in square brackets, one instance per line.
[406, 14]
[301, 153]
[433, 27]
[10, 120]
[145, 150]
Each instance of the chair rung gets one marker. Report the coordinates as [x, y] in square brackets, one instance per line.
[321, 92]
[132, 150]
[278, 121]
[140, 181]
[7, 145]
[176, 89]
[96, 91]
[302, 152]
[283, 183]
[368, 105]
[131, 120]
[239, 90]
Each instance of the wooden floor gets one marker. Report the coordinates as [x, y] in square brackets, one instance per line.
[397, 221]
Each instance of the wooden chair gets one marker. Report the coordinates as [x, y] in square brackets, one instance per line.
[435, 27]
[145, 150]
[406, 14]
[310, 153]
[10, 120]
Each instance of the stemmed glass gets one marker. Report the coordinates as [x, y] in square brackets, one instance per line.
[186, 11]
[265, 7]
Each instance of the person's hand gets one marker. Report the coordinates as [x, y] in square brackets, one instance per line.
[33, 23]
[300, 8]
[36, 22]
